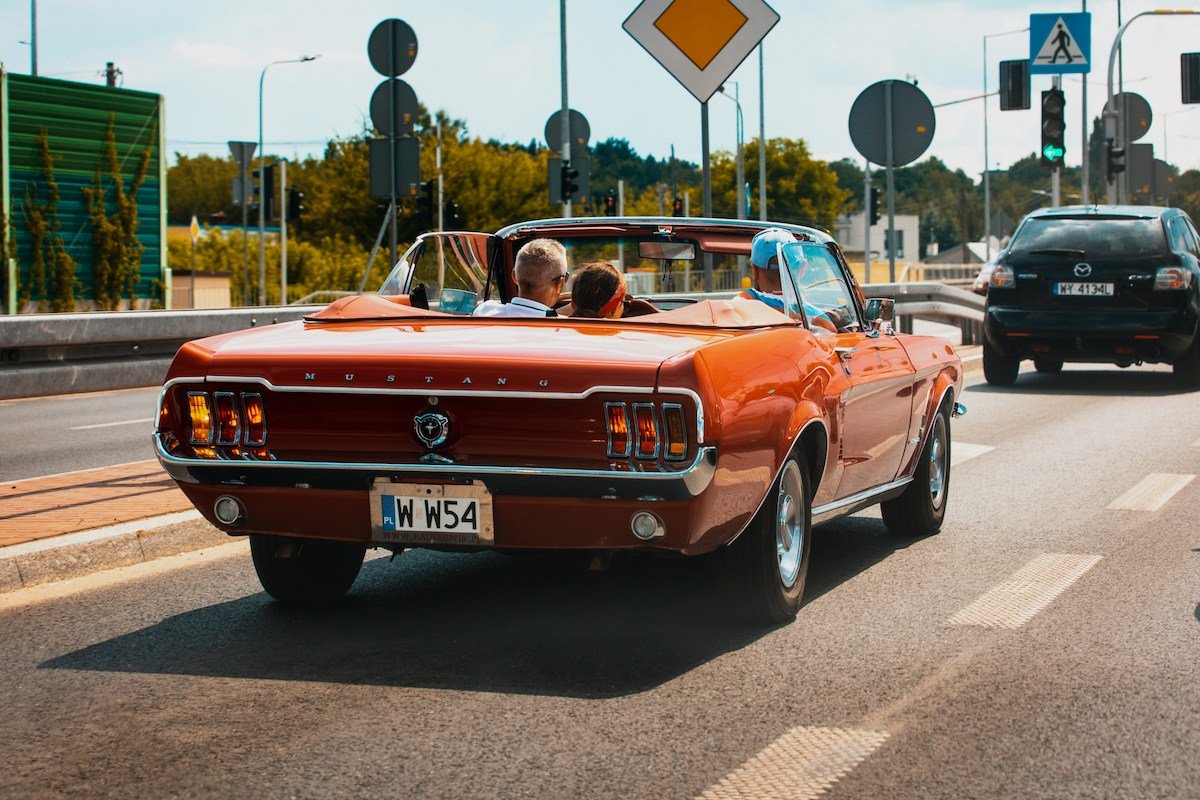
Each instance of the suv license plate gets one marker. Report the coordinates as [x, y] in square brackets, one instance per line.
[1084, 289]
[425, 513]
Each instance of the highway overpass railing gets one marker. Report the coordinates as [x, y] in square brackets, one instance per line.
[48, 354]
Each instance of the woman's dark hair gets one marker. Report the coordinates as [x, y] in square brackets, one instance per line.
[595, 285]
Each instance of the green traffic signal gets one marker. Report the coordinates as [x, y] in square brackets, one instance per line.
[1053, 153]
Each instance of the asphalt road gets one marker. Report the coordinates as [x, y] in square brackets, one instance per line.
[48, 435]
[487, 676]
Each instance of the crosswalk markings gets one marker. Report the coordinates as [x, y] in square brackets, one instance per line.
[1151, 492]
[1030, 589]
[965, 451]
[802, 763]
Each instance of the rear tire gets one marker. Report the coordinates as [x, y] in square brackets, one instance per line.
[767, 566]
[999, 369]
[922, 507]
[1187, 369]
[1048, 366]
[308, 571]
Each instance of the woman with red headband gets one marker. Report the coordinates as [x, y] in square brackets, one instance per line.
[598, 291]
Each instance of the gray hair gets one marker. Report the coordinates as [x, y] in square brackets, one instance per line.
[539, 262]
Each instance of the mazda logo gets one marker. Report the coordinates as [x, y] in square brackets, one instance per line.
[1083, 270]
[432, 428]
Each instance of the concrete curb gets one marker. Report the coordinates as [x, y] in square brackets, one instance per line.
[83, 553]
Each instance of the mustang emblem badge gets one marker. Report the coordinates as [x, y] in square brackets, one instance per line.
[432, 428]
[1083, 270]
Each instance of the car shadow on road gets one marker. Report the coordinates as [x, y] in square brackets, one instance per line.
[484, 622]
[1133, 382]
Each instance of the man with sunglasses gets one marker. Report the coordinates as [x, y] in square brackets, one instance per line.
[541, 273]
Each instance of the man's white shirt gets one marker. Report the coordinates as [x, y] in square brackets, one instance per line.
[517, 307]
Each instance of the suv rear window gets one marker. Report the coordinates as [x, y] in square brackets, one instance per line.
[1112, 237]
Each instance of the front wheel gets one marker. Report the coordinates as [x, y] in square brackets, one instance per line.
[306, 571]
[1187, 369]
[920, 510]
[999, 369]
[767, 566]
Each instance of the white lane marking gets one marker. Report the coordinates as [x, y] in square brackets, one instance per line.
[1029, 590]
[803, 763]
[969, 359]
[113, 424]
[1196, 443]
[1152, 492]
[965, 451]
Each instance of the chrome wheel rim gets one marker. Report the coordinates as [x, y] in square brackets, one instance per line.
[789, 524]
[939, 461]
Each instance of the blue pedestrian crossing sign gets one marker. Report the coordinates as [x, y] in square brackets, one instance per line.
[1060, 43]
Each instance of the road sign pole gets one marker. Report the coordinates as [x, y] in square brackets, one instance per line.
[706, 195]
[1056, 173]
[987, 184]
[566, 111]
[245, 240]
[762, 140]
[891, 182]
[1085, 135]
[867, 221]
[283, 204]
[392, 84]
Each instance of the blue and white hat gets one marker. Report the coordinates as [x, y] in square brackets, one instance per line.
[764, 247]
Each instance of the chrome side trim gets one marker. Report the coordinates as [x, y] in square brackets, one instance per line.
[848, 505]
[430, 391]
[687, 482]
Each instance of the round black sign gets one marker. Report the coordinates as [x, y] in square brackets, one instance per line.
[912, 123]
[1137, 113]
[392, 47]
[581, 131]
[401, 118]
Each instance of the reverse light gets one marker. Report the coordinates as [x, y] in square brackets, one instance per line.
[647, 526]
[1003, 277]
[675, 446]
[618, 430]
[646, 424]
[201, 418]
[1167, 278]
[256, 420]
[228, 424]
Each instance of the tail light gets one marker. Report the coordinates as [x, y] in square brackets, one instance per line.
[228, 424]
[256, 420]
[201, 418]
[646, 425]
[1167, 278]
[1002, 278]
[618, 430]
[675, 446]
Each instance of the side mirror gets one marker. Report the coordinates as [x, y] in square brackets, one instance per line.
[880, 313]
[457, 301]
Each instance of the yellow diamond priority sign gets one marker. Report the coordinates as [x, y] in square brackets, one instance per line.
[700, 42]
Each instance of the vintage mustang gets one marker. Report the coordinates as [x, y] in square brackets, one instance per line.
[697, 423]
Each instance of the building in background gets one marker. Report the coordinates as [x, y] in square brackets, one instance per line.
[850, 235]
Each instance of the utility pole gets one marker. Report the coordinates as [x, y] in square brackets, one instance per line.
[33, 38]
[110, 74]
[1086, 131]
[441, 205]
[566, 109]
[283, 204]
[762, 140]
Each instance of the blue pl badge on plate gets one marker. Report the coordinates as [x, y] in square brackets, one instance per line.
[1060, 43]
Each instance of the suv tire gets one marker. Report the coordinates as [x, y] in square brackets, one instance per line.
[1187, 369]
[999, 369]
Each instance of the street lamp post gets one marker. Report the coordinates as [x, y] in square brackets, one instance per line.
[741, 165]
[262, 160]
[987, 184]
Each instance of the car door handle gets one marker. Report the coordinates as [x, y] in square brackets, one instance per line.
[845, 352]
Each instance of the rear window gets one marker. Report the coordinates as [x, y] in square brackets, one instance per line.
[1113, 237]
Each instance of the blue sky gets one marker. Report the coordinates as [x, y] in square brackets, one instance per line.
[495, 64]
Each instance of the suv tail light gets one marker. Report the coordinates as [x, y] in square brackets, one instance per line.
[1167, 278]
[1003, 277]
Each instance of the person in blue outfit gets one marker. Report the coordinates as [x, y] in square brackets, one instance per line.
[767, 282]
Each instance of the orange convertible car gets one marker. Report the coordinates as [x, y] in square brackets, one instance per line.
[700, 422]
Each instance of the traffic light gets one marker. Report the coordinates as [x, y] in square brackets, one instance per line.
[265, 181]
[610, 205]
[1189, 64]
[427, 205]
[455, 220]
[677, 206]
[1115, 158]
[570, 185]
[1054, 127]
[874, 206]
[295, 205]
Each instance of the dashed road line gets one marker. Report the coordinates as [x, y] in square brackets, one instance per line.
[145, 421]
[1030, 589]
[803, 763]
[965, 451]
[1152, 492]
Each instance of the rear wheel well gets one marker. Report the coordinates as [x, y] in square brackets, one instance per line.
[813, 446]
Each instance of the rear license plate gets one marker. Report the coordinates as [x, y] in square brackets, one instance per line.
[1084, 289]
[428, 513]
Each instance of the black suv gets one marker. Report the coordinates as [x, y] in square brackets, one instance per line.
[1102, 284]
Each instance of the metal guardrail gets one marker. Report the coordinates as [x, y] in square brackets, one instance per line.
[47, 354]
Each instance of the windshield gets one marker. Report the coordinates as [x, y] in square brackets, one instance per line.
[1091, 237]
[823, 289]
